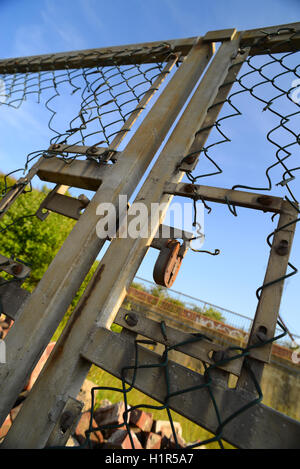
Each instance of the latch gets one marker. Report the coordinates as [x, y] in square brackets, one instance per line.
[171, 254]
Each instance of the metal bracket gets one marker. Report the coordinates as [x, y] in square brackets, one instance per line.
[14, 267]
[56, 202]
[12, 297]
[91, 152]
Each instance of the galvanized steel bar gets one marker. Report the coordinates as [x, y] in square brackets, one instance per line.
[48, 303]
[65, 371]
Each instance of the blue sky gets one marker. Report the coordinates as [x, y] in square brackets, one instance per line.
[35, 27]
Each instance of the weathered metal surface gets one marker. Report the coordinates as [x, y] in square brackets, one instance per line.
[259, 427]
[265, 320]
[166, 232]
[12, 297]
[216, 194]
[122, 55]
[82, 174]
[58, 148]
[55, 291]
[14, 267]
[278, 39]
[66, 424]
[151, 329]
[191, 160]
[61, 204]
[219, 35]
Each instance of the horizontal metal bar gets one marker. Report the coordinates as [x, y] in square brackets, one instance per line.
[147, 52]
[252, 200]
[25, 343]
[200, 350]
[278, 39]
[259, 427]
[58, 148]
[83, 174]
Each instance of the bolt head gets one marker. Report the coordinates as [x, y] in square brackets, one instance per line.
[218, 355]
[17, 269]
[131, 319]
[93, 150]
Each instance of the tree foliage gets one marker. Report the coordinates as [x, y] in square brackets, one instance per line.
[33, 241]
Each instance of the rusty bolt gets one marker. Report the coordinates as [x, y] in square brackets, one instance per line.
[264, 200]
[93, 150]
[189, 159]
[261, 334]
[283, 248]
[219, 355]
[17, 269]
[84, 199]
[66, 420]
[189, 188]
[131, 319]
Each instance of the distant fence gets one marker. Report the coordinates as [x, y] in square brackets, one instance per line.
[232, 325]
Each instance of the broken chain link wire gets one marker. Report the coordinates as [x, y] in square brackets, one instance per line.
[241, 352]
[281, 73]
[94, 109]
[107, 100]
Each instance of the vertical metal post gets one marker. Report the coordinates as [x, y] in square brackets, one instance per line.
[66, 369]
[49, 301]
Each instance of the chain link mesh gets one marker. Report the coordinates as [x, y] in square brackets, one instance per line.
[280, 72]
[108, 95]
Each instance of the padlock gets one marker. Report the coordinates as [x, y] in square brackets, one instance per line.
[168, 262]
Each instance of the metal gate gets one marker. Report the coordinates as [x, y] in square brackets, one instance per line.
[115, 85]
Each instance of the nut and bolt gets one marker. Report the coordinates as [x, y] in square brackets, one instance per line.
[219, 355]
[189, 188]
[84, 199]
[93, 150]
[17, 269]
[261, 334]
[131, 319]
[189, 159]
[283, 248]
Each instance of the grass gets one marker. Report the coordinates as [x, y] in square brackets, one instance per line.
[190, 431]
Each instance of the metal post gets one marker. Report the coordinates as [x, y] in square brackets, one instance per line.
[65, 371]
[49, 301]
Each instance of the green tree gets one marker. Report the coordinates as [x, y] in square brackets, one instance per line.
[210, 313]
[24, 236]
